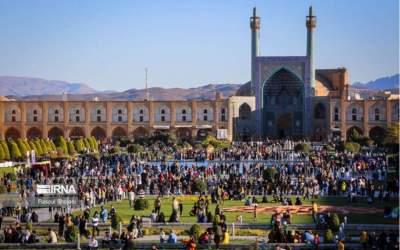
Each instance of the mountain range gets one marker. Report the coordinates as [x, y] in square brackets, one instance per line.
[29, 88]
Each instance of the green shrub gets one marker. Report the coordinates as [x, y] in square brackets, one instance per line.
[12, 176]
[269, 173]
[218, 144]
[329, 148]
[71, 234]
[199, 186]
[328, 236]
[141, 204]
[134, 148]
[302, 147]
[352, 147]
[116, 149]
[3, 189]
[195, 230]
[115, 221]
[334, 222]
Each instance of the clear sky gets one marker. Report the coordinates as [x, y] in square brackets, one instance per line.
[107, 44]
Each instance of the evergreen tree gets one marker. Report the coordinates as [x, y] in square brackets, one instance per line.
[1, 153]
[53, 146]
[392, 135]
[28, 147]
[48, 144]
[39, 149]
[6, 150]
[14, 152]
[79, 145]
[33, 146]
[95, 145]
[21, 146]
[63, 145]
[71, 148]
[86, 143]
[43, 146]
[90, 141]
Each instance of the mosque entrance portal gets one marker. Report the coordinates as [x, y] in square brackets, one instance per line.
[284, 126]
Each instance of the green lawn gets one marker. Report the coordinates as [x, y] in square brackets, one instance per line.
[126, 212]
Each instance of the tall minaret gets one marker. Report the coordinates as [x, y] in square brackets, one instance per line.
[255, 50]
[147, 95]
[311, 22]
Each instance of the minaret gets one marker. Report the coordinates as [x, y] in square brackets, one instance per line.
[311, 22]
[255, 50]
[147, 96]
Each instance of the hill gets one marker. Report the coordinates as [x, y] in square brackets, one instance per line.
[24, 86]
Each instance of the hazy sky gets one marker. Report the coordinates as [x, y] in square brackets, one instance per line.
[107, 44]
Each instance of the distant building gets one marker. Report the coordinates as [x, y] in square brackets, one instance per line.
[286, 98]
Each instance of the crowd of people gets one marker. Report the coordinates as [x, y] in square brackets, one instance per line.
[234, 173]
[270, 169]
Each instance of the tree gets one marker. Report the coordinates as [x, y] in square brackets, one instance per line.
[71, 148]
[33, 146]
[79, 145]
[199, 186]
[21, 146]
[86, 143]
[354, 136]
[1, 153]
[45, 150]
[63, 145]
[211, 140]
[95, 145]
[302, 147]
[53, 146]
[6, 150]
[392, 136]
[28, 147]
[91, 144]
[14, 150]
[352, 147]
[39, 150]
[48, 145]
